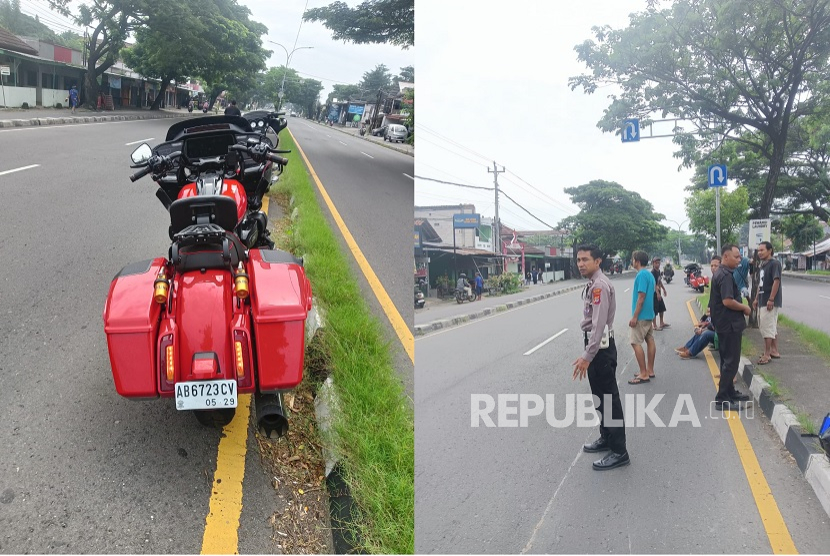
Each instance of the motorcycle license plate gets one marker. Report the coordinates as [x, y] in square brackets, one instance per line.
[206, 394]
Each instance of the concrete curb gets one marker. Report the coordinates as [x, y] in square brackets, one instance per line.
[30, 122]
[810, 277]
[383, 144]
[422, 329]
[805, 449]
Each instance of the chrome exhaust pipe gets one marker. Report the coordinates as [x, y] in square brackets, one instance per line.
[270, 415]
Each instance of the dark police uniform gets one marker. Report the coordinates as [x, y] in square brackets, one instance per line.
[729, 325]
[600, 306]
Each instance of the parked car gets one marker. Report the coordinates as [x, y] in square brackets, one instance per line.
[379, 131]
[396, 133]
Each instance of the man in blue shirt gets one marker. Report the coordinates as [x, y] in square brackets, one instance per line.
[479, 285]
[642, 310]
[73, 97]
[741, 277]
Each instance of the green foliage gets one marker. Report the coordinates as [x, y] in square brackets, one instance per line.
[407, 74]
[409, 107]
[745, 69]
[734, 206]
[506, 283]
[613, 217]
[21, 24]
[802, 229]
[378, 79]
[373, 21]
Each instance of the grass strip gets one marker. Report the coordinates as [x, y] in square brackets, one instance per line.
[819, 272]
[374, 425]
[817, 340]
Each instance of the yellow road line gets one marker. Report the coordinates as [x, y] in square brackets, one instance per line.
[222, 522]
[777, 531]
[265, 201]
[401, 329]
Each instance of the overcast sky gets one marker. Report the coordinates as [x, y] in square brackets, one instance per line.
[493, 79]
[330, 61]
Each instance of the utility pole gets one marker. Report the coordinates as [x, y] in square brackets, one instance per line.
[717, 216]
[496, 233]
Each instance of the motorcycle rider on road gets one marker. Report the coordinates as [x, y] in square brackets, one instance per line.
[464, 285]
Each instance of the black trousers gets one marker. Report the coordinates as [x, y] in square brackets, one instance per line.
[602, 376]
[729, 347]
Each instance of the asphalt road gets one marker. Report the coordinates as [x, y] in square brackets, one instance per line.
[372, 188]
[531, 489]
[83, 470]
[806, 302]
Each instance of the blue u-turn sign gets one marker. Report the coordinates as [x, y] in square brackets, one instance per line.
[631, 130]
[717, 175]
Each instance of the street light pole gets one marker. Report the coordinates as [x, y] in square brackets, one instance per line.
[678, 236]
[288, 56]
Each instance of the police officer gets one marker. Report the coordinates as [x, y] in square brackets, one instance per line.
[600, 363]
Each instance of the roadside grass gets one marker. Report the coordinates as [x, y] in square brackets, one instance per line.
[817, 340]
[807, 425]
[819, 272]
[373, 427]
[774, 386]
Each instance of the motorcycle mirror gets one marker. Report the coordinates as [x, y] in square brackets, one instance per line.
[142, 154]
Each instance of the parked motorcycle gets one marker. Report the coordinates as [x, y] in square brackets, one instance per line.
[420, 300]
[461, 296]
[224, 313]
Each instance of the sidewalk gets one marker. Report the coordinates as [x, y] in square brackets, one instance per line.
[801, 380]
[400, 147]
[19, 117]
[804, 276]
[438, 314]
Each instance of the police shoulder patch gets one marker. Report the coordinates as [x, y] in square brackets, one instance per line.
[596, 295]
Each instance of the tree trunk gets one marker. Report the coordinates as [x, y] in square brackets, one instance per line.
[162, 91]
[776, 163]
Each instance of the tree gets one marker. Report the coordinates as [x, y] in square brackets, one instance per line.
[407, 75]
[734, 206]
[729, 67]
[408, 104]
[373, 21]
[803, 230]
[378, 79]
[612, 217]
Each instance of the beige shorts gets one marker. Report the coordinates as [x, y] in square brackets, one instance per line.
[768, 321]
[641, 332]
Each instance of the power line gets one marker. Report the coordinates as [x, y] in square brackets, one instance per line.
[449, 151]
[559, 203]
[50, 17]
[456, 184]
[527, 211]
[430, 131]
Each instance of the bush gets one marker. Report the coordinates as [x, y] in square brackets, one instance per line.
[58, 105]
[505, 283]
[25, 105]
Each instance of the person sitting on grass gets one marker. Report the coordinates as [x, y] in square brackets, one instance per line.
[704, 334]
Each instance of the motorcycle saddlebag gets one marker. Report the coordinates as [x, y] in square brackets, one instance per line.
[280, 299]
[131, 320]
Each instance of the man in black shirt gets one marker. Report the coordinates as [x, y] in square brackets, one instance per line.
[232, 110]
[768, 301]
[728, 316]
[659, 293]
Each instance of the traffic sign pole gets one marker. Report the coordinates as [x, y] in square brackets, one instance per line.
[717, 215]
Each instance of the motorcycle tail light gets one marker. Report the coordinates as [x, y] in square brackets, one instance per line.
[167, 363]
[242, 359]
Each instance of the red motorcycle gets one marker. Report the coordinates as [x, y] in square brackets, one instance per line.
[224, 313]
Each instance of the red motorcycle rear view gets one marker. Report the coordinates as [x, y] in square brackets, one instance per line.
[224, 313]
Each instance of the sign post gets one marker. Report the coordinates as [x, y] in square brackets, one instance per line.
[759, 230]
[717, 179]
[4, 70]
[462, 222]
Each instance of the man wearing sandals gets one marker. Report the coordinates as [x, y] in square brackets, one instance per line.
[728, 316]
[643, 311]
[768, 301]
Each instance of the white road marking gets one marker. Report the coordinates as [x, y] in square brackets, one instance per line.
[410, 177]
[327, 135]
[824, 296]
[364, 154]
[65, 126]
[19, 169]
[626, 290]
[341, 142]
[546, 342]
[139, 141]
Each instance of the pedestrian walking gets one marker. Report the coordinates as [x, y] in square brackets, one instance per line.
[768, 301]
[232, 110]
[659, 293]
[599, 360]
[73, 98]
[642, 315]
[535, 275]
[479, 286]
[728, 317]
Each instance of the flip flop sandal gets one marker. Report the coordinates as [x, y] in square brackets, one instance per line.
[775, 356]
[763, 361]
[638, 380]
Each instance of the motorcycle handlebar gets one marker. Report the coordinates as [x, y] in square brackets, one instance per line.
[141, 173]
[278, 159]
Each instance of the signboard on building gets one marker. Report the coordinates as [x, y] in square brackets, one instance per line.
[759, 230]
[462, 221]
[115, 82]
[5, 70]
[356, 109]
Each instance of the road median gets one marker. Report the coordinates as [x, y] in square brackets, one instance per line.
[372, 428]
